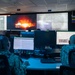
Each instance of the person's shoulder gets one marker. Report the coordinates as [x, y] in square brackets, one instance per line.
[16, 57]
[13, 56]
[65, 46]
[68, 47]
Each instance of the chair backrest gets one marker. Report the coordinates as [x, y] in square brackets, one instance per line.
[72, 58]
[69, 70]
[66, 70]
[4, 66]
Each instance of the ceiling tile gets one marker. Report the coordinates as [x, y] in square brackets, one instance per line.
[26, 2]
[73, 2]
[34, 9]
[61, 7]
[51, 1]
[64, 1]
[38, 2]
[71, 7]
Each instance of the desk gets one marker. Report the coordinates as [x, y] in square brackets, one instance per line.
[35, 64]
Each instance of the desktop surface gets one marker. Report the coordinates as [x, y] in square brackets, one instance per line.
[36, 64]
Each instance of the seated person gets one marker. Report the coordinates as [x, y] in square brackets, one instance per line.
[16, 65]
[65, 51]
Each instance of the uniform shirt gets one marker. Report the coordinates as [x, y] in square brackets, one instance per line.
[65, 53]
[16, 65]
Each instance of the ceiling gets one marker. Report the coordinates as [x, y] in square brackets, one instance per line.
[25, 6]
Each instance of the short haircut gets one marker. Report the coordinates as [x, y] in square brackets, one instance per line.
[72, 39]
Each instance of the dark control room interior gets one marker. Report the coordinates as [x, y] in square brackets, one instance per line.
[37, 37]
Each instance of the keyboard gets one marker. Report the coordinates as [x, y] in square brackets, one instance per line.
[50, 60]
[57, 59]
[47, 60]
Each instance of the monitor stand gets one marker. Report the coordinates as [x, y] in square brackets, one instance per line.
[46, 58]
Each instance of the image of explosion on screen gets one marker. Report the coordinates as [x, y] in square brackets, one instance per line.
[22, 22]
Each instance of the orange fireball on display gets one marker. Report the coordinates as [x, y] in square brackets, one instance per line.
[24, 22]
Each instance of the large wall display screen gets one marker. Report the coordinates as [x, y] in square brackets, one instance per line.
[52, 21]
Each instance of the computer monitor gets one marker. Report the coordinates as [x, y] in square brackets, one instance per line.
[21, 22]
[3, 22]
[45, 38]
[52, 21]
[27, 34]
[62, 37]
[22, 43]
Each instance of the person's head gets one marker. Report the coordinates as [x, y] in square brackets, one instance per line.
[4, 43]
[72, 39]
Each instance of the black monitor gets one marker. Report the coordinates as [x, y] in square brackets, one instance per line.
[45, 38]
[24, 44]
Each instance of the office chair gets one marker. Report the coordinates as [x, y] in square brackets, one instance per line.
[72, 58]
[4, 66]
[69, 70]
